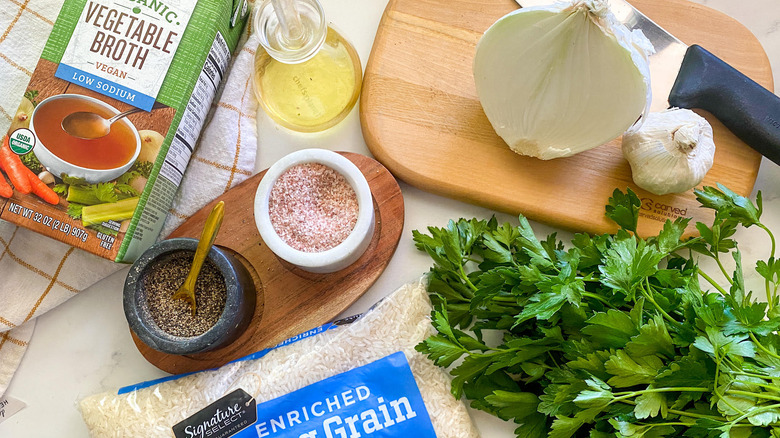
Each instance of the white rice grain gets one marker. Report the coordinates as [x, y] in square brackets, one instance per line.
[397, 323]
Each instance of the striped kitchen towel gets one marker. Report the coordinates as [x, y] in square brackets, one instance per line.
[38, 273]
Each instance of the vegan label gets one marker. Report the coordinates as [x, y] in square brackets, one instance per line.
[380, 399]
[123, 48]
[221, 419]
[21, 141]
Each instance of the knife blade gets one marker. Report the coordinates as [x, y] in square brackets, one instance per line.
[691, 77]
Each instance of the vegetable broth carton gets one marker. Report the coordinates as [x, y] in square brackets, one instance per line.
[109, 193]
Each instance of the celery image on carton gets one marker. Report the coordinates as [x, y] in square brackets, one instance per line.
[109, 193]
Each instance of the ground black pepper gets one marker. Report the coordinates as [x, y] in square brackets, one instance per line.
[175, 317]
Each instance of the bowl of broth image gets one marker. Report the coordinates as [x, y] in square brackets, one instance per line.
[95, 160]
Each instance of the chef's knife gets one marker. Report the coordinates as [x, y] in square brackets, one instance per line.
[692, 77]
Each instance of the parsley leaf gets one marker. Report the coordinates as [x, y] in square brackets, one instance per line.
[630, 370]
[628, 263]
[623, 209]
[513, 405]
[653, 338]
[650, 404]
[611, 329]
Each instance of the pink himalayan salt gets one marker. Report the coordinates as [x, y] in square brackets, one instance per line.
[312, 207]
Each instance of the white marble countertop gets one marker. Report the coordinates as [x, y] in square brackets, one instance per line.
[83, 347]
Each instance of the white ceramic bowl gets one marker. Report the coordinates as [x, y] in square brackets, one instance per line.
[343, 254]
[58, 166]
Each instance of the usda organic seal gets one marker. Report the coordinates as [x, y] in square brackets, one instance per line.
[22, 141]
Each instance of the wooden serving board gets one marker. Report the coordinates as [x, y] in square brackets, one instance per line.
[289, 301]
[422, 119]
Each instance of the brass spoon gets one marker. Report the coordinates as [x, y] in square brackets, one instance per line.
[187, 290]
[88, 126]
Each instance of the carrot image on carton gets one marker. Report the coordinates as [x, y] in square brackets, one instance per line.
[104, 132]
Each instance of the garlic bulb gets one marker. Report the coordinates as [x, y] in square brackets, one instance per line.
[557, 80]
[671, 152]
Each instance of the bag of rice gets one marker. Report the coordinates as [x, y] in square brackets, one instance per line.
[347, 381]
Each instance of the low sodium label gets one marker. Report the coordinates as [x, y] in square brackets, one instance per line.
[22, 141]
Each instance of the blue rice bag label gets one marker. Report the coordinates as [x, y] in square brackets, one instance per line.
[380, 399]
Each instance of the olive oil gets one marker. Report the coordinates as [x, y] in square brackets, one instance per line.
[312, 95]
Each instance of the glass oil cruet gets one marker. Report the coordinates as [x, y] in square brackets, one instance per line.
[307, 76]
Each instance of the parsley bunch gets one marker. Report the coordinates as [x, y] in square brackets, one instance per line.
[612, 336]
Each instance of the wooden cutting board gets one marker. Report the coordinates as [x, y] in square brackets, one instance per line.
[422, 119]
[289, 300]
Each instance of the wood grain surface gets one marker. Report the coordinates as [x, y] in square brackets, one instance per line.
[422, 119]
[290, 301]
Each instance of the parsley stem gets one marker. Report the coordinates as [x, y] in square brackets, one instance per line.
[630, 394]
[711, 281]
[761, 346]
[722, 268]
[512, 300]
[771, 237]
[552, 358]
[758, 376]
[682, 413]
[754, 412]
[679, 423]
[667, 424]
[765, 386]
[715, 389]
[649, 297]
[770, 294]
[500, 351]
[753, 394]
[598, 298]
[465, 278]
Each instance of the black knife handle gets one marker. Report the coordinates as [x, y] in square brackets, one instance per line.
[749, 110]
